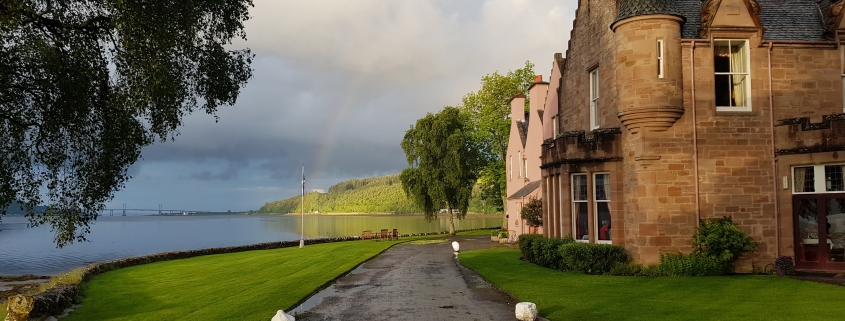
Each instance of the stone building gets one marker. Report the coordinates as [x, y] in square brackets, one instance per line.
[672, 111]
[523, 155]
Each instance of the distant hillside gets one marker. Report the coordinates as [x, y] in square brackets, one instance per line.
[17, 208]
[370, 195]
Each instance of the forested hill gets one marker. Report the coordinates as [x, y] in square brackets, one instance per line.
[370, 195]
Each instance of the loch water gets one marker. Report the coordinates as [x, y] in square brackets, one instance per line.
[25, 250]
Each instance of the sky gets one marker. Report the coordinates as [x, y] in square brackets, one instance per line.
[335, 86]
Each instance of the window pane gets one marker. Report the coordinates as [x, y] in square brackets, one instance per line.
[603, 213]
[721, 56]
[739, 52]
[833, 178]
[602, 187]
[739, 90]
[579, 187]
[581, 223]
[803, 180]
[723, 90]
[808, 227]
[836, 228]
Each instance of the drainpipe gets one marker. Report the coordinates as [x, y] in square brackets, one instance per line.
[695, 136]
[774, 156]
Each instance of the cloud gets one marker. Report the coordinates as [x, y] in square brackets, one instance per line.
[336, 85]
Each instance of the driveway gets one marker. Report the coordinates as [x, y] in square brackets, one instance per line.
[412, 281]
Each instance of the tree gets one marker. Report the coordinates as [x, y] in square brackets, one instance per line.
[489, 113]
[85, 84]
[532, 213]
[443, 164]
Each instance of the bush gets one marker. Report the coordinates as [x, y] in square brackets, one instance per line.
[547, 252]
[721, 238]
[627, 269]
[525, 245]
[785, 265]
[591, 258]
[695, 264]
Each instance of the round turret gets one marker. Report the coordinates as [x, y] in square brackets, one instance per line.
[649, 71]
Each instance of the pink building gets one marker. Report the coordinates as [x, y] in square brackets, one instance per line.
[523, 157]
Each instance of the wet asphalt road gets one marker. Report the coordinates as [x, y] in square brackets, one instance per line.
[412, 282]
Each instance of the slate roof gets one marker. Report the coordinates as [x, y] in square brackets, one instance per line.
[522, 127]
[633, 8]
[782, 19]
[525, 190]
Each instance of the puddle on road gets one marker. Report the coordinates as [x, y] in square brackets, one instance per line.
[331, 290]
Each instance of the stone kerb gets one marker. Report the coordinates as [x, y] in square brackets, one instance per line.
[56, 299]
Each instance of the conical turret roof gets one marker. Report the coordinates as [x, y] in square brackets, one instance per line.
[633, 8]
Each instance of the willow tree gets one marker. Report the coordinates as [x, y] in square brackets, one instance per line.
[85, 84]
[443, 164]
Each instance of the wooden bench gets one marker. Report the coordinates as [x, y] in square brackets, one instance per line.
[367, 235]
[385, 235]
[395, 234]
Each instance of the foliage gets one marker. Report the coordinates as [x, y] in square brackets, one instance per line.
[723, 239]
[488, 112]
[370, 195]
[695, 264]
[443, 164]
[485, 194]
[195, 287]
[84, 85]
[492, 183]
[591, 258]
[785, 264]
[547, 252]
[532, 212]
[571, 296]
[627, 269]
[526, 245]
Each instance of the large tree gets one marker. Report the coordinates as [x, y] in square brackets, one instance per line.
[489, 113]
[85, 84]
[443, 164]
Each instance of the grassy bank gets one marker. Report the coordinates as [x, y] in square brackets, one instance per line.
[237, 286]
[569, 296]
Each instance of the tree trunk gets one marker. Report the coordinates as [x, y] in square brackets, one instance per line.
[451, 220]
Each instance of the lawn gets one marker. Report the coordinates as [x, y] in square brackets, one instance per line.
[570, 296]
[236, 286]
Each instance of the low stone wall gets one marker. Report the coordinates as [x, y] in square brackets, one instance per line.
[56, 299]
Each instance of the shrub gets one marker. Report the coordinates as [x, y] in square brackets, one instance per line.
[721, 238]
[695, 264]
[627, 269]
[525, 245]
[591, 258]
[532, 212]
[547, 252]
[785, 265]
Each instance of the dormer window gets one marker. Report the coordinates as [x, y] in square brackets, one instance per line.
[733, 79]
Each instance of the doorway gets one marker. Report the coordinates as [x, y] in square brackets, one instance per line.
[819, 221]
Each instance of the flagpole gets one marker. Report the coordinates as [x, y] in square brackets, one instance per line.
[302, 230]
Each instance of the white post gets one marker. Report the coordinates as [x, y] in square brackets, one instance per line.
[302, 229]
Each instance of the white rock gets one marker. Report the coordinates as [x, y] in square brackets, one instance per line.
[526, 311]
[456, 247]
[282, 316]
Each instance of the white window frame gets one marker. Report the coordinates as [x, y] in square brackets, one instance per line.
[573, 201]
[596, 221]
[818, 184]
[555, 129]
[660, 58]
[747, 76]
[510, 167]
[594, 98]
[525, 160]
[519, 159]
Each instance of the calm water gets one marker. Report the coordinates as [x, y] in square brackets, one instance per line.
[31, 250]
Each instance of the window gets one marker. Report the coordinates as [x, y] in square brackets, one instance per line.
[580, 230]
[733, 82]
[594, 99]
[555, 130]
[518, 159]
[526, 167]
[601, 197]
[660, 58]
[510, 168]
[804, 179]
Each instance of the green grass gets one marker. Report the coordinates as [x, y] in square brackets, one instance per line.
[476, 233]
[570, 296]
[236, 286]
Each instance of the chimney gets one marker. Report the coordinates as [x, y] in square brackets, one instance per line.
[538, 78]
